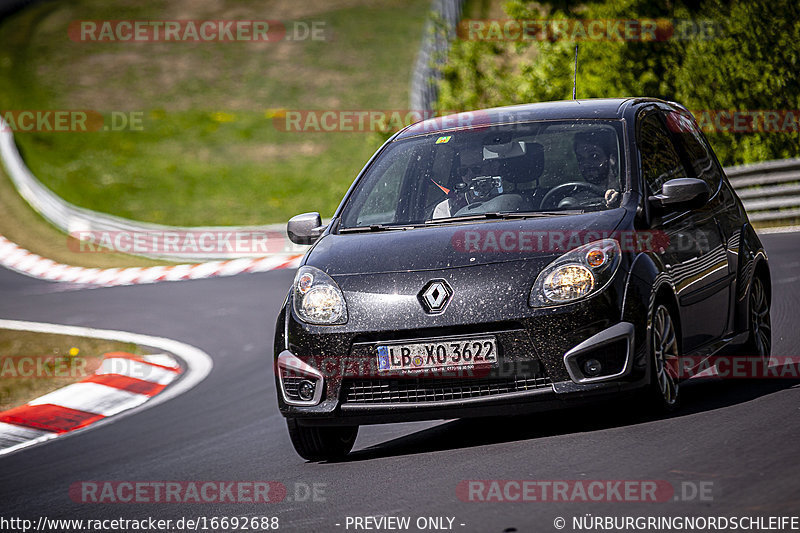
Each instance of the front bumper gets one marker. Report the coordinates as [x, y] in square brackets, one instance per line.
[353, 394]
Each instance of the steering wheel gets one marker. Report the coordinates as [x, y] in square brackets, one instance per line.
[575, 186]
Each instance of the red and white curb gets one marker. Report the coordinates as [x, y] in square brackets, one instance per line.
[122, 382]
[21, 260]
[122, 385]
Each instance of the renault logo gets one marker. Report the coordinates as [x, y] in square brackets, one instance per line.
[435, 296]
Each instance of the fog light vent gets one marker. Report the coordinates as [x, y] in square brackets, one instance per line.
[592, 368]
[300, 383]
[305, 390]
[603, 356]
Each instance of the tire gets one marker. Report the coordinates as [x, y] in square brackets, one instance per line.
[759, 341]
[321, 443]
[664, 390]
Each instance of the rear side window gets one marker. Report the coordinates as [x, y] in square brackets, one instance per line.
[689, 139]
[660, 160]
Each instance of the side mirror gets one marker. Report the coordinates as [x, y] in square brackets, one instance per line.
[681, 192]
[305, 228]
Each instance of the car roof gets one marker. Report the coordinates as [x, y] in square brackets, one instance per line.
[593, 108]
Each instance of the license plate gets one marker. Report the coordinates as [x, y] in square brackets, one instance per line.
[452, 354]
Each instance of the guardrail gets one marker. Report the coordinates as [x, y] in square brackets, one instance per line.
[72, 219]
[440, 28]
[770, 190]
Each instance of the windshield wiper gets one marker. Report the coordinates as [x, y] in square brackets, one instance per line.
[374, 227]
[534, 214]
[502, 215]
[461, 218]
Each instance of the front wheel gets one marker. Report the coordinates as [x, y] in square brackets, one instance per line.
[759, 342]
[664, 388]
[321, 443]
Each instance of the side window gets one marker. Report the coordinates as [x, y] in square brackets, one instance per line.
[382, 202]
[694, 146]
[660, 160]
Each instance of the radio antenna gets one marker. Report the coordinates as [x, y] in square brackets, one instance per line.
[575, 79]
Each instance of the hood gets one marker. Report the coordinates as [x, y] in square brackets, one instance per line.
[458, 245]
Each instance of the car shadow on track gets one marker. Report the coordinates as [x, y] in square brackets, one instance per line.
[698, 396]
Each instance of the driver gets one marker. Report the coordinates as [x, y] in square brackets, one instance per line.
[479, 182]
[597, 161]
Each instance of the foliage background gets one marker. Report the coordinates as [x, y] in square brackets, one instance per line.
[751, 65]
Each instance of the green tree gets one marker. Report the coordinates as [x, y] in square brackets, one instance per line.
[722, 55]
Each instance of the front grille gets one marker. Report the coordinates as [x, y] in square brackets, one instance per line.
[291, 386]
[432, 390]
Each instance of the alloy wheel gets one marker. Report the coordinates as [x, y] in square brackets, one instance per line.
[760, 325]
[665, 351]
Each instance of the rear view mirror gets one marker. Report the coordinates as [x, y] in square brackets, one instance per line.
[305, 228]
[681, 192]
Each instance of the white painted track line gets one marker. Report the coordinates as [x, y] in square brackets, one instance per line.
[197, 364]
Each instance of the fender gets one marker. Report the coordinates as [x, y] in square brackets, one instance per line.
[751, 256]
[646, 279]
[280, 329]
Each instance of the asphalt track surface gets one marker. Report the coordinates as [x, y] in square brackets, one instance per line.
[742, 437]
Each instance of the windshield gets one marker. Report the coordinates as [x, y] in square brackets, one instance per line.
[531, 168]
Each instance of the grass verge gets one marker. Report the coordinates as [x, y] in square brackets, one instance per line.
[208, 150]
[25, 227]
[33, 364]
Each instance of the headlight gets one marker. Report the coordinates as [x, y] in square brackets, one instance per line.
[581, 272]
[316, 297]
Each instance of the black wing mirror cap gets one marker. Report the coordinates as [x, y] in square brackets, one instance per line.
[305, 228]
[682, 192]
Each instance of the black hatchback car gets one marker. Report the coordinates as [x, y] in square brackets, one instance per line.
[518, 259]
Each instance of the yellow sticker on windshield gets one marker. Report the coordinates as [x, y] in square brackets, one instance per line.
[442, 140]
